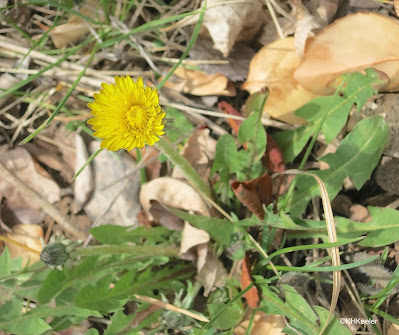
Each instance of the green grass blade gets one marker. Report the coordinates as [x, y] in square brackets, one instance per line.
[63, 101]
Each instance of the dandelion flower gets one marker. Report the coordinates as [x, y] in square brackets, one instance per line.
[127, 115]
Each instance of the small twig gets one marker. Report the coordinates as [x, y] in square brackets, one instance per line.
[36, 198]
[274, 18]
[8, 240]
[170, 307]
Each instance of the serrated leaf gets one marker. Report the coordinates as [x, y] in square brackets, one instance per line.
[356, 157]
[29, 326]
[334, 327]
[51, 286]
[119, 321]
[385, 236]
[247, 127]
[220, 230]
[357, 90]
[229, 318]
[11, 309]
[5, 263]
[226, 157]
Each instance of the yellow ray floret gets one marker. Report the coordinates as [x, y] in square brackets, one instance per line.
[127, 115]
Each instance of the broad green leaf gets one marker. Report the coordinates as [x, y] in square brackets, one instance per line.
[295, 302]
[229, 318]
[5, 263]
[247, 128]
[99, 297]
[52, 286]
[28, 326]
[92, 331]
[180, 124]
[220, 230]
[11, 309]
[119, 321]
[380, 237]
[272, 304]
[256, 102]
[357, 89]
[111, 234]
[334, 326]
[226, 157]
[356, 157]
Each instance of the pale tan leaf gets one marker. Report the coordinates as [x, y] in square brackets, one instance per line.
[172, 192]
[75, 28]
[396, 7]
[393, 329]
[213, 273]
[84, 185]
[274, 66]
[229, 21]
[200, 83]
[352, 43]
[20, 162]
[113, 201]
[27, 235]
[199, 151]
[262, 325]
[192, 237]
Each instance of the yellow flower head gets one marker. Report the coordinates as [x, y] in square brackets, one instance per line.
[127, 115]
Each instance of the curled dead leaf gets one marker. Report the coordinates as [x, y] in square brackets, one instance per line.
[76, 27]
[251, 296]
[262, 324]
[199, 151]
[29, 236]
[172, 192]
[274, 66]
[254, 193]
[200, 83]
[21, 163]
[352, 43]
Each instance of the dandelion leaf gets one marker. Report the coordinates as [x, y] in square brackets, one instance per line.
[356, 157]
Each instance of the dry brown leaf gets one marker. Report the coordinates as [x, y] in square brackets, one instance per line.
[359, 213]
[164, 217]
[13, 215]
[115, 201]
[212, 273]
[192, 237]
[199, 151]
[200, 83]
[84, 185]
[393, 329]
[20, 162]
[263, 324]
[75, 28]
[352, 43]
[274, 66]
[254, 193]
[28, 235]
[172, 192]
[230, 21]
[251, 296]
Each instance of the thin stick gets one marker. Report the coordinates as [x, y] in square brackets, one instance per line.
[36, 198]
[170, 307]
[8, 240]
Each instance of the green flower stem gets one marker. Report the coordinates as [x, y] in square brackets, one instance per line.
[143, 177]
[140, 251]
[193, 177]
